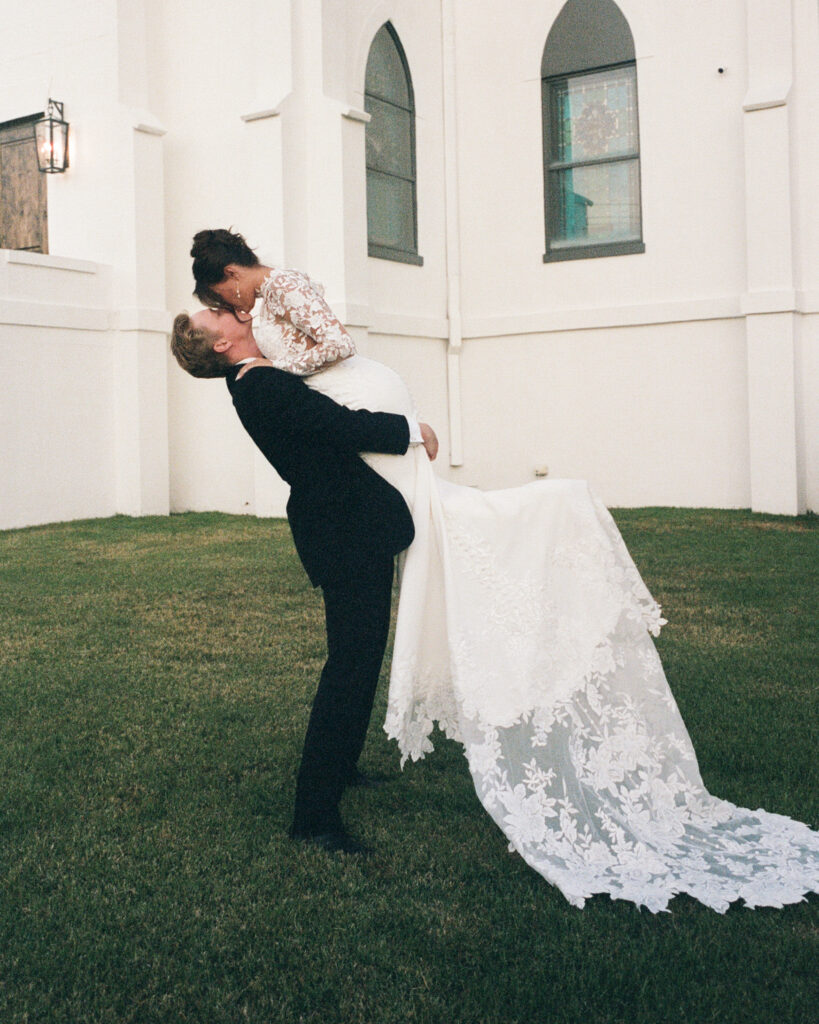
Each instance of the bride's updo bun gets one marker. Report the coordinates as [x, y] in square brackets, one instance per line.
[212, 251]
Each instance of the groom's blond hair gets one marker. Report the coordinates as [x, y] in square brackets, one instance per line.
[192, 347]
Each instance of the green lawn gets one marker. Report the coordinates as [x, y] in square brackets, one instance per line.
[156, 680]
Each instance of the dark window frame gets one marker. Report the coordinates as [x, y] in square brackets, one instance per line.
[593, 250]
[385, 252]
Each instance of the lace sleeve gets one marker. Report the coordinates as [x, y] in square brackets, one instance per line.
[293, 310]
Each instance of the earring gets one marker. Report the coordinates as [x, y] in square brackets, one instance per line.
[238, 294]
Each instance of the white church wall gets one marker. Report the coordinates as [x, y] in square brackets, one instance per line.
[691, 172]
[91, 56]
[49, 48]
[631, 371]
[107, 208]
[57, 416]
[675, 302]
[212, 464]
[208, 70]
[680, 303]
[400, 289]
[56, 343]
[68, 52]
[613, 407]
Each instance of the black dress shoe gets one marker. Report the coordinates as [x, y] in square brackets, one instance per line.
[361, 781]
[334, 842]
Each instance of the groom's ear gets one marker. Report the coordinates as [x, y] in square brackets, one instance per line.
[221, 345]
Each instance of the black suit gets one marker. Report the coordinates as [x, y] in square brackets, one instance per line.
[347, 524]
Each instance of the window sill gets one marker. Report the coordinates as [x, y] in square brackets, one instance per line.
[587, 252]
[382, 252]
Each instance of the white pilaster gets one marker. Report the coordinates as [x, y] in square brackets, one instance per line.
[141, 322]
[453, 236]
[769, 204]
[312, 156]
[770, 339]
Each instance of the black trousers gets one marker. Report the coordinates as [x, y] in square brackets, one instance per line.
[357, 611]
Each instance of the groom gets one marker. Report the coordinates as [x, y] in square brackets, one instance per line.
[347, 523]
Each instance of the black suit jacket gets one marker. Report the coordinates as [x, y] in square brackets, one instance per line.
[341, 512]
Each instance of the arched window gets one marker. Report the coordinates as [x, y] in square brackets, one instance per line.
[392, 226]
[591, 142]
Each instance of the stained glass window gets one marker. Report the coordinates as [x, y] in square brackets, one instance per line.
[390, 134]
[591, 135]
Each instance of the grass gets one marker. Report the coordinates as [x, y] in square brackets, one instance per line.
[156, 680]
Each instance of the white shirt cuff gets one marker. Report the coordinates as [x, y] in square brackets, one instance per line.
[415, 431]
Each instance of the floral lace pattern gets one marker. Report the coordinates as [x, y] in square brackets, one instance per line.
[524, 632]
[294, 314]
[611, 800]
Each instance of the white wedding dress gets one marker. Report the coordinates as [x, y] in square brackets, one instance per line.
[524, 631]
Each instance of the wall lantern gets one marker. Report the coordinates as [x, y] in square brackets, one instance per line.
[51, 133]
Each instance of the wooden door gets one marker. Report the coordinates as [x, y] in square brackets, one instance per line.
[23, 216]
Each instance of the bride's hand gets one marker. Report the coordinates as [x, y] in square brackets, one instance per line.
[430, 440]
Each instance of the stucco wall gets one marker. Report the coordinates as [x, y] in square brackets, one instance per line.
[57, 415]
[633, 371]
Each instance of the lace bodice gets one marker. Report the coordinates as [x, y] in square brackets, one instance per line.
[293, 313]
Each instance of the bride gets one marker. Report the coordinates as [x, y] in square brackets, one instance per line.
[524, 632]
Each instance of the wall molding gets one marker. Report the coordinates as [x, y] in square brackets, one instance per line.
[38, 259]
[14, 313]
[22, 313]
[727, 307]
[649, 314]
[408, 326]
[767, 94]
[262, 114]
[354, 114]
[150, 129]
[19, 313]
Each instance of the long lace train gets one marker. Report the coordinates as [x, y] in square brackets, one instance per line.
[524, 631]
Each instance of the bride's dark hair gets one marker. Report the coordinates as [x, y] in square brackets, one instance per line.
[212, 251]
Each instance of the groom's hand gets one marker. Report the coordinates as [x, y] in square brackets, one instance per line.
[430, 440]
